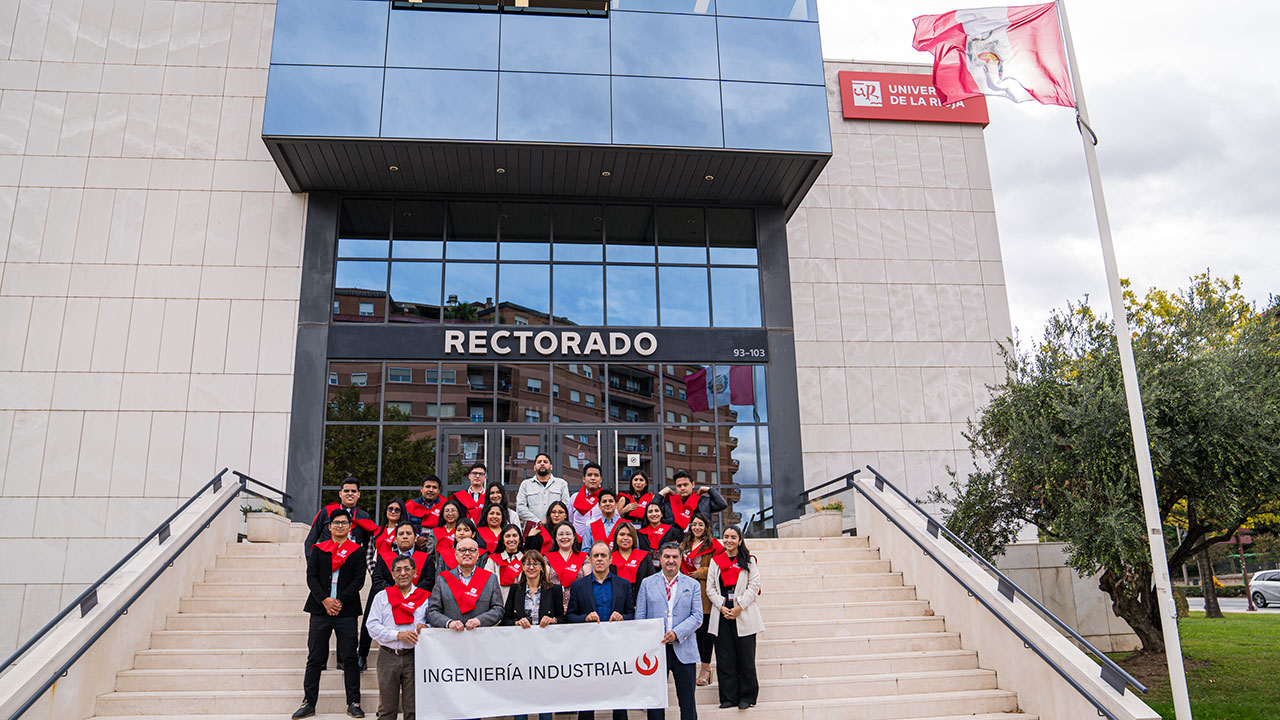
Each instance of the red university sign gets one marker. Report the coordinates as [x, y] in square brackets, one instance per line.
[901, 96]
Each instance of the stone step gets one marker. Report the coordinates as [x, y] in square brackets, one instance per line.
[255, 562]
[234, 658]
[854, 628]
[265, 549]
[810, 583]
[840, 665]
[969, 705]
[844, 541]
[771, 690]
[767, 648]
[770, 571]
[788, 557]
[843, 611]
[201, 605]
[779, 595]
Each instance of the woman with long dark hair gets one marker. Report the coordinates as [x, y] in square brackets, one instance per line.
[699, 546]
[534, 601]
[733, 585]
[633, 502]
[505, 560]
[463, 530]
[496, 494]
[654, 534]
[450, 514]
[492, 520]
[630, 562]
[541, 536]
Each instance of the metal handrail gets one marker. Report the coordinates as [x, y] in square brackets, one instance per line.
[88, 599]
[847, 479]
[1114, 675]
[284, 496]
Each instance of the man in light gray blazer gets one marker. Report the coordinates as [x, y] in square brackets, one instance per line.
[676, 599]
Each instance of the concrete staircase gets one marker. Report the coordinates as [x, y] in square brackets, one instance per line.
[846, 640]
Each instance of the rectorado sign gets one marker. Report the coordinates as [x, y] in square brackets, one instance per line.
[903, 96]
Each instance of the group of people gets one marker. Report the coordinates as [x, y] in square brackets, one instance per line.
[468, 561]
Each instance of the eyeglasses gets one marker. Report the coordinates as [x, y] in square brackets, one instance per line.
[468, 551]
[340, 522]
[393, 509]
[402, 570]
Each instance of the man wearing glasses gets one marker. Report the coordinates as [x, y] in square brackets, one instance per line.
[473, 497]
[335, 574]
[466, 597]
[361, 524]
[395, 618]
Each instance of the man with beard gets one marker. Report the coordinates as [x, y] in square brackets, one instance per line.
[424, 510]
[361, 524]
[538, 492]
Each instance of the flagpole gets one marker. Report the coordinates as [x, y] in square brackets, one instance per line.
[1141, 446]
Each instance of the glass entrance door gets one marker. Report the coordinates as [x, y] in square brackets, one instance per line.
[575, 446]
[460, 448]
[507, 451]
[620, 452]
[519, 446]
[634, 450]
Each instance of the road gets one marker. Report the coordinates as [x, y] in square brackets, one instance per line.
[1232, 605]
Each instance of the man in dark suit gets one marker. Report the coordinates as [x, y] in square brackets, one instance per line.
[335, 574]
[361, 524]
[601, 597]
[679, 507]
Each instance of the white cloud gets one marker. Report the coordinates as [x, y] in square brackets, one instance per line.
[1187, 110]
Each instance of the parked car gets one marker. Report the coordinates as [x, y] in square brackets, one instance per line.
[1264, 588]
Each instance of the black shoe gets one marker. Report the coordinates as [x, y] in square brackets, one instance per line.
[724, 705]
[362, 663]
[744, 705]
[338, 666]
[354, 710]
[307, 710]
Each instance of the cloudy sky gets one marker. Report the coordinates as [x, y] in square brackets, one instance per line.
[1186, 105]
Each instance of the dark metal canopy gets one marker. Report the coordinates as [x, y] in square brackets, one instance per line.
[538, 170]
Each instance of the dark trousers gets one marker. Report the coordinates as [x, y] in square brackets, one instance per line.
[395, 685]
[683, 674]
[706, 640]
[366, 640]
[591, 715]
[318, 654]
[736, 664]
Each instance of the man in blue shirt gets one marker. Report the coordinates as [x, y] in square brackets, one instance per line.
[600, 597]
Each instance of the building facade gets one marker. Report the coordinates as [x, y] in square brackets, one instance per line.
[300, 240]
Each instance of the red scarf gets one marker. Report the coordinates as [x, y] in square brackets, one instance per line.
[697, 551]
[655, 534]
[449, 557]
[488, 540]
[547, 540]
[338, 554]
[584, 502]
[729, 568]
[467, 595]
[428, 516]
[472, 505]
[402, 608]
[683, 510]
[638, 514]
[508, 570]
[566, 570]
[384, 539]
[419, 561]
[628, 567]
[363, 523]
[599, 535]
[444, 536]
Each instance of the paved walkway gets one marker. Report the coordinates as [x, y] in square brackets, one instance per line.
[1233, 605]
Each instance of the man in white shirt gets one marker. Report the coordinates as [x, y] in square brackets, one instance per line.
[396, 616]
[584, 509]
[538, 492]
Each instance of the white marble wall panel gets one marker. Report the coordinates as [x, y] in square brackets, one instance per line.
[149, 275]
[897, 349]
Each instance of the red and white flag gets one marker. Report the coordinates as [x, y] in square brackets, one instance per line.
[1011, 52]
[728, 385]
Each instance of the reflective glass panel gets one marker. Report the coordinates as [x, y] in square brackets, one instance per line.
[519, 450]
[633, 295]
[735, 297]
[579, 382]
[683, 296]
[408, 455]
[760, 116]
[524, 393]
[744, 505]
[451, 104]
[364, 228]
[667, 111]
[471, 231]
[359, 291]
[685, 45]
[741, 457]
[532, 43]
[540, 107]
[770, 51]
[351, 451]
[524, 294]
[733, 236]
[579, 232]
[469, 292]
[323, 101]
[459, 41]
[359, 248]
[681, 236]
[575, 450]
[633, 394]
[675, 6]
[354, 390]
[415, 291]
[629, 233]
[579, 294]
[410, 391]
[693, 401]
[525, 231]
[740, 397]
[329, 32]
[462, 447]
[419, 230]
[472, 393]
[765, 475]
[781, 9]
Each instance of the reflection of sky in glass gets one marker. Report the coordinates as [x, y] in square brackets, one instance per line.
[764, 455]
[750, 413]
[526, 285]
[416, 282]
[632, 296]
[353, 247]
[775, 117]
[542, 107]
[361, 274]
[684, 297]
[533, 43]
[735, 296]
[687, 42]
[511, 250]
[413, 249]
[733, 255]
[463, 250]
[329, 32]
[579, 251]
[745, 454]
[471, 282]
[674, 6]
[579, 293]
[323, 101]
[667, 111]
[770, 51]
[682, 253]
[783, 9]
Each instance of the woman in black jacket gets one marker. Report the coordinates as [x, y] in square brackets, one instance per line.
[534, 601]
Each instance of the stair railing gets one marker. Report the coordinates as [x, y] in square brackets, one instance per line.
[806, 497]
[1112, 674]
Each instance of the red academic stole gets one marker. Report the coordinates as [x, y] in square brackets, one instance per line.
[444, 536]
[472, 505]
[697, 551]
[338, 554]
[584, 502]
[402, 608]
[508, 570]
[489, 539]
[599, 535]
[628, 567]
[566, 570]
[548, 542]
[362, 523]
[449, 557]
[428, 516]
[384, 539]
[729, 569]
[637, 514]
[467, 595]
[655, 534]
[683, 510]
[419, 561]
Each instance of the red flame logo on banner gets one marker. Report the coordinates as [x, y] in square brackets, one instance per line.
[647, 666]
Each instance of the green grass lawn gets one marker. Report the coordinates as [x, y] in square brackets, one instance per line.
[1236, 673]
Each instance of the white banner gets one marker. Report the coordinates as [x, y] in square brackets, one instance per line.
[499, 671]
